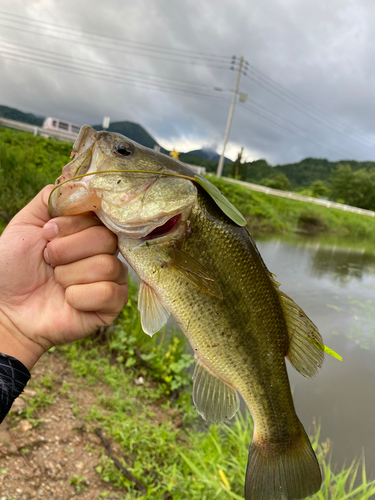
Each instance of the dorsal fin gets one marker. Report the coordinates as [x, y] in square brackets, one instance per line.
[221, 201]
[306, 348]
[215, 400]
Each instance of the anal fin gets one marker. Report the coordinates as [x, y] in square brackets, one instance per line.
[153, 313]
[215, 400]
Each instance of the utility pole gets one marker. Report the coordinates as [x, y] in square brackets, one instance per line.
[230, 117]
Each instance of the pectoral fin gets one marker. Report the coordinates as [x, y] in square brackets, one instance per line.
[214, 399]
[194, 272]
[153, 313]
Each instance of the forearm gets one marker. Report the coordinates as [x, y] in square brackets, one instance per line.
[13, 378]
[14, 343]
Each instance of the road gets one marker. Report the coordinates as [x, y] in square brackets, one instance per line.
[56, 134]
[300, 197]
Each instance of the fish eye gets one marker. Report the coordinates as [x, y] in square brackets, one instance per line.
[123, 149]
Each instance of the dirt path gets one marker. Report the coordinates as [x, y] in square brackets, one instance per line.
[53, 453]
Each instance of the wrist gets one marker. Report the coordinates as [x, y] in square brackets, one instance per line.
[14, 343]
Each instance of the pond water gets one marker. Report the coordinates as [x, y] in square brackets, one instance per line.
[334, 283]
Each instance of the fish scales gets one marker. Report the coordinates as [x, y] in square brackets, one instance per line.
[196, 261]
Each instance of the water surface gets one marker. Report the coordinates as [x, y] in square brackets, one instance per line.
[334, 283]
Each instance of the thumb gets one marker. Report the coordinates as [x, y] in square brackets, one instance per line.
[35, 212]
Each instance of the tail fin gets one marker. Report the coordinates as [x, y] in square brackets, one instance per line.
[279, 472]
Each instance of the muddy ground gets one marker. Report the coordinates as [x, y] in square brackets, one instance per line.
[53, 453]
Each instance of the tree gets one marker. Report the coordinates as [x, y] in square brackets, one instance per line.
[354, 188]
[319, 189]
[280, 181]
[239, 169]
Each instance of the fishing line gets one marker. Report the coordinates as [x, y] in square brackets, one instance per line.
[193, 179]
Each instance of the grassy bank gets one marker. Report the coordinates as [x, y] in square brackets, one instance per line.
[272, 214]
[27, 164]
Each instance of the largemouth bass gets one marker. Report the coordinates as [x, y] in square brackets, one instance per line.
[197, 262]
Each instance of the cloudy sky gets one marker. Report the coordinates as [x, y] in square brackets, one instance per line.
[309, 72]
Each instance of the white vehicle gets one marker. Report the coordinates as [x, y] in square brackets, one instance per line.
[61, 126]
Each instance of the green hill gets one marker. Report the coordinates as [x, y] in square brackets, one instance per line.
[134, 131]
[15, 114]
[301, 174]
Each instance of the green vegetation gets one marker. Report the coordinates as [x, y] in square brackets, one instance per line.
[348, 182]
[27, 164]
[15, 114]
[79, 483]
[272, 214]
[280, 181]
[302, 174]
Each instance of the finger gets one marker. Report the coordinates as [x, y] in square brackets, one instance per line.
[104, 297]
[103, 267]
[67, 225]
[92, 241]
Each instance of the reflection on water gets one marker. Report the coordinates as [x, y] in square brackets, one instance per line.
[334, 283]
[341, 264]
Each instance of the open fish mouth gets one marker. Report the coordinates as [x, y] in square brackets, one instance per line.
[163, 230]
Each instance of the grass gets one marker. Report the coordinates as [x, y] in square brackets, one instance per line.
[272, 214]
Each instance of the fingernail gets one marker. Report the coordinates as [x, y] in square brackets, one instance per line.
[46, 256]
[50, 230]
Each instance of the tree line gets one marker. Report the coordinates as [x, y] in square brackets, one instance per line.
[349, 181]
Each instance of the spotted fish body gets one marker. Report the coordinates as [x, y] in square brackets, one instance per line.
[198, 264]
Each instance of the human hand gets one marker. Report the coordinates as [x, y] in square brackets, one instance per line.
[59, 280]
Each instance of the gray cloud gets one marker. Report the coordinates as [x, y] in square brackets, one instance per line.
[321, 52]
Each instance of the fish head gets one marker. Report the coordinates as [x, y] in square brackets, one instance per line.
[135, 191]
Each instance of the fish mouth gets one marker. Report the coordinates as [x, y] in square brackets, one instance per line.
[163, 230]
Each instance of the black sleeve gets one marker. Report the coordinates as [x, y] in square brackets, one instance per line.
[13, 378]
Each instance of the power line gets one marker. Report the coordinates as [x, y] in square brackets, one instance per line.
[142, 84]
[111, 68]
[173, 55]
[164, 87]
[302, 101]
[104, 76]
[282, 119]
[143, 49]
[27, 20]
[311, 141]
[117, 49]
[283, 94]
